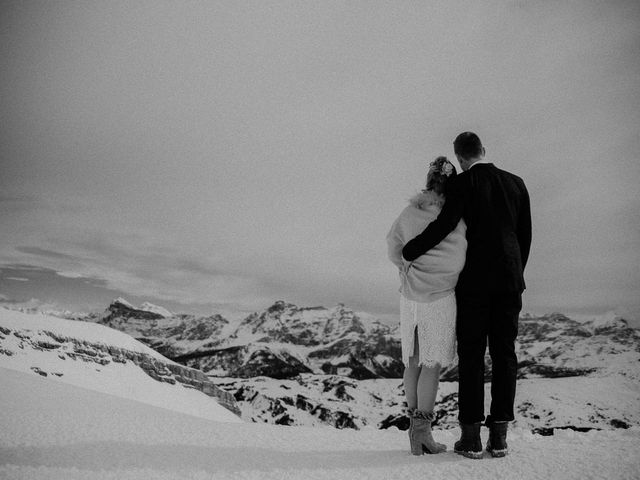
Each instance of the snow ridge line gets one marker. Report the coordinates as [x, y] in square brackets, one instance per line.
[103, 354]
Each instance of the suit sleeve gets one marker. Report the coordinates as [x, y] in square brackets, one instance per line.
[524, 227]
[437, 230]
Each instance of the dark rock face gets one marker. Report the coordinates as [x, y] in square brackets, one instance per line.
[336, 418]
[619, 423]
[548, 431]
[529, 368]
[266, 363]
[244, 361]
[120, 310]
[401, 422]
[225, 358]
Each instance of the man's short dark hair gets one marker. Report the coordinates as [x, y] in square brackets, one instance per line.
[467, 145]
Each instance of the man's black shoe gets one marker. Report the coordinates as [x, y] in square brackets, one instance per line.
[470, 444]
[497, 444]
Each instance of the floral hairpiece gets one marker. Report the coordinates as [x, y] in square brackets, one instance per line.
[442, 167]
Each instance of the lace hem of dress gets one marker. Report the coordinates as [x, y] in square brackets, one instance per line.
[433, 325]
[428, 364]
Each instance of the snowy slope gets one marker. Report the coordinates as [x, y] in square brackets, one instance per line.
[101, 359]
[51, 430]
[90, 332]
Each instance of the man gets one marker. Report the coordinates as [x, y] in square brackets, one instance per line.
[495, 206]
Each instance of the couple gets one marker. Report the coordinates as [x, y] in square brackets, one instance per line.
[461, 286]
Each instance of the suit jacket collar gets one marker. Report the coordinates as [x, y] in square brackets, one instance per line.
[481, 162]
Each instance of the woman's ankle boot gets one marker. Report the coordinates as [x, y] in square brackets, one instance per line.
[420, 436]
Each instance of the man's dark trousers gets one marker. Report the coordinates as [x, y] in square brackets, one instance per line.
[491, 317]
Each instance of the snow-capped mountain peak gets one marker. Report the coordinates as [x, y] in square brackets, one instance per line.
[122, 302]
[286, 322]
[150, 307]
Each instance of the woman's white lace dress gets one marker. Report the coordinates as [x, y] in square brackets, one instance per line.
[436, 328]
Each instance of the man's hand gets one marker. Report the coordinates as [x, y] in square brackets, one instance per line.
[411, 249]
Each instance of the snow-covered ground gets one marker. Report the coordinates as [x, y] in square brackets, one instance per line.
[92, 420]
[52, 430]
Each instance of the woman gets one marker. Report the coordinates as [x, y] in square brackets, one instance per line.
[427, 303]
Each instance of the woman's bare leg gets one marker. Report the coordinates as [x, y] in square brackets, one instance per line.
[425, 398]
[427, 387]
[410, 376]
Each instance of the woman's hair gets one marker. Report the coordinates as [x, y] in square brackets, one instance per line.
[440, 171]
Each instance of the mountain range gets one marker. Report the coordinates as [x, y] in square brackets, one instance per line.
[296, 365]
[281, 342]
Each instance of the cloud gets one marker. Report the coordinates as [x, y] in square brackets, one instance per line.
[141, 270]
[31, 303]
[45, 253]
[263, 152]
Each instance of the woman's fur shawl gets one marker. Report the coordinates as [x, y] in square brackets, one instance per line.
[435, 273]
[427, 198]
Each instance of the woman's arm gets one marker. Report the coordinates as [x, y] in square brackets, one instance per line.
[394, 245]
[395, 241]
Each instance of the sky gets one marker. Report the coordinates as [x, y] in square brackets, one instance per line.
[225, 155]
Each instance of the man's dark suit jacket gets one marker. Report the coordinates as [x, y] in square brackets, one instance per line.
[495, 206]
